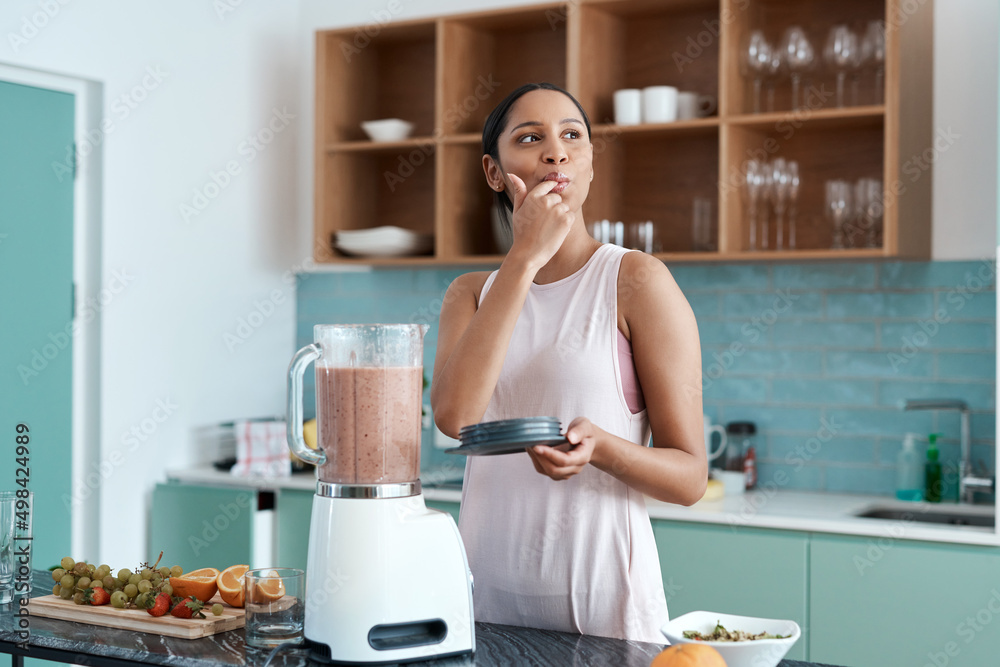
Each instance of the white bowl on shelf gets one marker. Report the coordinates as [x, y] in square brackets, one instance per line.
[755, 653]
[387, 129]
[387, 241]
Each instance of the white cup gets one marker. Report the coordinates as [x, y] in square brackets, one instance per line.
[711, 428]
[733, 483]
[659, 104]
[692, 105]
[628, 106]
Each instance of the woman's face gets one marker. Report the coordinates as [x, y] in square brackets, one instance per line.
[545, 140]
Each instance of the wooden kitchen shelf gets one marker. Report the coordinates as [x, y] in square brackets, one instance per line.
[446, 73]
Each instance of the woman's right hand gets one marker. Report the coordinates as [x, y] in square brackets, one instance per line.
[540, 222]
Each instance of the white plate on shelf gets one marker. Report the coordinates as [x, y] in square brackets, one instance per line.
[386, 241]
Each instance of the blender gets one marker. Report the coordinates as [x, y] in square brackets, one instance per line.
[387, 579]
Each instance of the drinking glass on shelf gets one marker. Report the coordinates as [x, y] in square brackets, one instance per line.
[874, 209]
[753, 185]
[756, 57]
[839, 207]
[772, 73]
[874, 40]
[766, 198]
[793, 197]
[799, 58]
[840, 55]
[701, 225]
[780, 187]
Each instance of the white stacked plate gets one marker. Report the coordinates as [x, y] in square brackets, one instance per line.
[508, 436]
[385, 241]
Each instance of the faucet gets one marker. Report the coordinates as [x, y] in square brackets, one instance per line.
[968, 484]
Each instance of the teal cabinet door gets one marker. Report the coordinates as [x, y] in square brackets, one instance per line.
[750, 572]
[884, 602]
[450, 508]
[201, 526]
[294, 514]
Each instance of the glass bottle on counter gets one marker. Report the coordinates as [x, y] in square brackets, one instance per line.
[741, 436]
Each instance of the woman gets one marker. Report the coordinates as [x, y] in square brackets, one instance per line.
[593, 334]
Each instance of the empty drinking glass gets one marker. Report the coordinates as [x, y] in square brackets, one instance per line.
[840, 54]
[799, 58]
[701, 224]
[839, 207]
[874, 41]
[781, 185]
[756, 58]
[754, 183]
[793, 198]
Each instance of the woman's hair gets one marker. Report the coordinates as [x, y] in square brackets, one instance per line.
[495, 125]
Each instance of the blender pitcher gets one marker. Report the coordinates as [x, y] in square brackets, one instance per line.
[369, 388]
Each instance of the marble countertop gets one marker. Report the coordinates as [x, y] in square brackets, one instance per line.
[496, 645]
[765, 507]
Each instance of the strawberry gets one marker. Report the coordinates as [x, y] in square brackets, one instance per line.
[97, 596]
[159, 606]
[188, 608]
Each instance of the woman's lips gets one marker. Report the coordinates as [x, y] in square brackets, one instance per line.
[561, 179]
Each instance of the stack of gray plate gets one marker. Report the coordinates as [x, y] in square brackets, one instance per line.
[509, 436]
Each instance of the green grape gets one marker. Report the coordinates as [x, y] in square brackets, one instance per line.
[78, 597]
[58, 573]
[80, 569]
[67, 563]
[142, 600]
[167, 588]
[97, 583]
[68, 581]
[124, 574]
[145, 586]
[118, 600]
[164, 571]
[146, 573]
[105, 567]
[131, 591]
[108, 581]
[66, 593]
[217, 609]
[83, 583]
[156, 580]
[135, 579]
[176, 571]
[56, 589]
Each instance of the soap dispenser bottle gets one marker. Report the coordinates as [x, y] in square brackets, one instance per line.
[909, 477]
[932, 471]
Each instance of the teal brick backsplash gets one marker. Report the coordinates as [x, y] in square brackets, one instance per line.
[803, 350]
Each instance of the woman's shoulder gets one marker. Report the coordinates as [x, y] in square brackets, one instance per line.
[469, 285]
[640, 271]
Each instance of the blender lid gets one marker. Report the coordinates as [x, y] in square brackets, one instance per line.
[493, 448]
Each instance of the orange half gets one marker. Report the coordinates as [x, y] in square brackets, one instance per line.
[230, 584]
[268, 590]
[198, 583]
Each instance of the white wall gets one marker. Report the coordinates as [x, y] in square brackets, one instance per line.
[188, 283]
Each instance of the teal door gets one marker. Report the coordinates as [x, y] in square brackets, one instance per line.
[36, 283]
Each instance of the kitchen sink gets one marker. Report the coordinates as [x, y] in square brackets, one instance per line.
[983, 517]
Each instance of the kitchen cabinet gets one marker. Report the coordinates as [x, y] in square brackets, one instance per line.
[746, 571]
[294, 513]
[445, 74]
[894, 603]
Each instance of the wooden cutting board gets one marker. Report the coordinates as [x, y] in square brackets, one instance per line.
[51, 606]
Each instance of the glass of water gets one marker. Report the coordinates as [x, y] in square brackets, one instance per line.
[275, 606]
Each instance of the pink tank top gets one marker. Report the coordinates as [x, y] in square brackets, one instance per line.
[576, 555]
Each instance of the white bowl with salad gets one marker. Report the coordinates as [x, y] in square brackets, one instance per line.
[743, 641]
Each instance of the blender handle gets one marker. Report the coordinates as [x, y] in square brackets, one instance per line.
[296, 443]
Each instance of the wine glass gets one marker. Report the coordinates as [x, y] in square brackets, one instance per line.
[754, 183]
[875, 45]
[756, 56]
[799, 57]
[838, 208]
[781, 184]
[766, 197]
[773, 72]
[840, 54]
[793, 197]
[875, 207]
